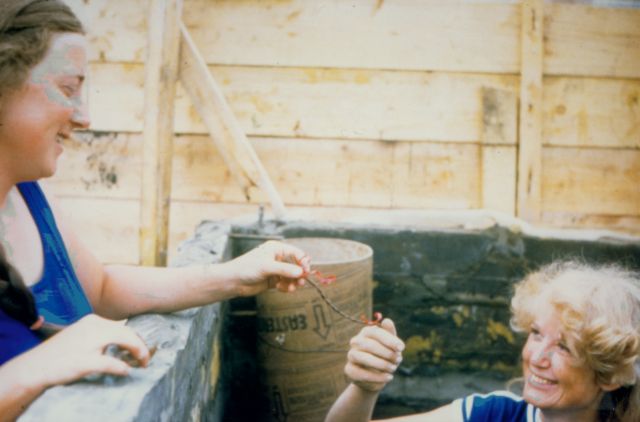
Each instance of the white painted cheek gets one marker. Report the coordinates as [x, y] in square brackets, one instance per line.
[56, 96]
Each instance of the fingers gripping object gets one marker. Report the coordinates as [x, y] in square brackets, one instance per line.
[326, 279]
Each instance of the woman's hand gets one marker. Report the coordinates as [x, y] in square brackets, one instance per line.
[74, 353]
[272, 264]
[374, 356]
[78, 351]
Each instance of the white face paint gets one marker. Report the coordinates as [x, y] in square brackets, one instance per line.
[35, 119]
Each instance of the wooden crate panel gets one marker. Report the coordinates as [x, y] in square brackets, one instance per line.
[591, 181]
[116, 29]
[378, 105]
[395, 34]
[589, 41]
[321, 103]
[591, 112]
[625, 225]
[315, 172]
[436, 176]
[498, 183]
[109, 227]
[100, 165]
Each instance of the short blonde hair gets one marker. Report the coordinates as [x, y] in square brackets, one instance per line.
[599, 309]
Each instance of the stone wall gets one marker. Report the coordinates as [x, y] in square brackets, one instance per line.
[181, 381]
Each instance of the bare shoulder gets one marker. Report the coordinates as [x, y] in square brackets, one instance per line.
[446, 413]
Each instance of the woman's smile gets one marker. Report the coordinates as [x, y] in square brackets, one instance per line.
[538, 381]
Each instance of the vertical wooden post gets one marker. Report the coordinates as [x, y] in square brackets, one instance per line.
[530, 148]
[161, 74]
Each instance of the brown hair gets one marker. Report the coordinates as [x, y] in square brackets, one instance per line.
[599, 309]
[17, 301]
[26, 28]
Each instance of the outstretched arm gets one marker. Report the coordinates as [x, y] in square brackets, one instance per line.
[120, 291]
[131, 290]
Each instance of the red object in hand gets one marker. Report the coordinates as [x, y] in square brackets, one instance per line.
[377, 319]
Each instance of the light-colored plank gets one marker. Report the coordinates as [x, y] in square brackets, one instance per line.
[591, 181]
[442, 176]
[161, 76]
[116, 29]
[303, 102]
[315, 172]
[101, 164]
[305, 171]
[322, 103]
[400, 34]
[230, 139]
[498, 153]
[591, 112]
[394, 34]
[626, 225]
[530, 140]
[499, 117]
[109, 227]
[589, 41]
[498, 190]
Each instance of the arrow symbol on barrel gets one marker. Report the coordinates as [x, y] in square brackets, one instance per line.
[322, 328]
[278, 411]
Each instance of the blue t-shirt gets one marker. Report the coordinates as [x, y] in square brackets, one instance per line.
[499, 406]
[58, 294]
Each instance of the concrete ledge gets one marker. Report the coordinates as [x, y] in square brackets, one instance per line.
[180, 382]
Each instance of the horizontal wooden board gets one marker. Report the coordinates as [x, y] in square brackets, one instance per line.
[591, 181]
[305, 171]
[623, 224]
[325, 172]
[350, 104]
[323, 103]
[591, 112]
[394, 34]
[116, 29]
[373, 34]
[109, 227]
[591, 41]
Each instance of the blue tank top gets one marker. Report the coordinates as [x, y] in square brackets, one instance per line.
[499, 406]
[58, 294]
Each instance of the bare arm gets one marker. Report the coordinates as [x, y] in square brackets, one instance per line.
[373, 357]
[120, 291]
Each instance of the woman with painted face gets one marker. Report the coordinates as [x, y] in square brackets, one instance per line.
[580, 359]
[42, 291]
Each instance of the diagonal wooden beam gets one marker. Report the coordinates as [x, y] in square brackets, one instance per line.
[223, 127]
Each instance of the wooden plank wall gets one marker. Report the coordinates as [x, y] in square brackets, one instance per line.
[395, 104]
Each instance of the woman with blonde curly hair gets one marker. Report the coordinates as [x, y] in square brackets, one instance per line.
[580, 360]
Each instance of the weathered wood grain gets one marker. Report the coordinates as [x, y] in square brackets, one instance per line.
[394, 34]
